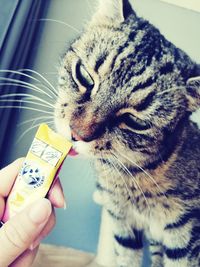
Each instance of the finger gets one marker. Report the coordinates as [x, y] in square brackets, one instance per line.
[2, 207]
[8, 176]
[20, 231]
[49, 226]
[26, 259]
[56, 195]
[45, 231]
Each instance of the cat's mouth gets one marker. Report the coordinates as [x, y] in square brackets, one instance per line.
[79, 147]
[73, 152]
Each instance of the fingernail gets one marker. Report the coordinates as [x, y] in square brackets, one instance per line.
[54, 181]
[40, 211]
[64, 204]
[35, 243]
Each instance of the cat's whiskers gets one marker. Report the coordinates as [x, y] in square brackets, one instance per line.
[61, 22]
[91, 9]
[145, 172]
[42, 86]
[123, 167]
[132, 177]
[50, 86]
[27, 108]
[27, 97]
[106, 173]
[26, 85]
[30, 97]
[47, 86]
[36, 119]
[51, 123]
[112, 172]
[123, 180]
[114, 182]
[31, 128]
[26, 101]
[46, 121]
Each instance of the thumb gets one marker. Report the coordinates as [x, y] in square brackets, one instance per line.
[19, 232]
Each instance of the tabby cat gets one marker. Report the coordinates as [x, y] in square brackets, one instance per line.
[126, 95]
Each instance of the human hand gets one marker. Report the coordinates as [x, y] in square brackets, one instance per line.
[21, 235]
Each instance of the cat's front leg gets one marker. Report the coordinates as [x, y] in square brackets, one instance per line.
[121, 244]
[182, 242]
[128, 247]
[156, 252]
[105, 254]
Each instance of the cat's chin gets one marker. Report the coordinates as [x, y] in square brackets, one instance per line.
[79, 148]
[82, 149]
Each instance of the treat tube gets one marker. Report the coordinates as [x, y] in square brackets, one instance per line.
[41, 165]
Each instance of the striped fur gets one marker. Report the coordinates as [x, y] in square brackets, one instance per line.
[126, 95]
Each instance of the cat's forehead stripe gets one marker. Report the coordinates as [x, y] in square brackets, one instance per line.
[100, 60]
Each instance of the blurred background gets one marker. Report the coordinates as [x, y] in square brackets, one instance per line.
[34, 35]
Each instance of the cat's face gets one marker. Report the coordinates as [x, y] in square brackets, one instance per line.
[121, 87]
[31, 175]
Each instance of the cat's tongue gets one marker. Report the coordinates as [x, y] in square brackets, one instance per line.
[73, 152]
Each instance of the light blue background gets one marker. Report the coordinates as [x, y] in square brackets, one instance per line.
[78, 226]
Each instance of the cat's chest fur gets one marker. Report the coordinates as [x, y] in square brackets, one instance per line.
[134, 214]
[138, 201]
[153, 201]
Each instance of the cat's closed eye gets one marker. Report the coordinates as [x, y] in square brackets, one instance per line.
[135, 123]
[82, 77]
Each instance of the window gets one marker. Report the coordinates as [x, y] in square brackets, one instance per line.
[6, 17]
[19, 30]
[190, 4]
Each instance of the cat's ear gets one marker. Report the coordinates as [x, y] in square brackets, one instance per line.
[115, 10]
[193, 93]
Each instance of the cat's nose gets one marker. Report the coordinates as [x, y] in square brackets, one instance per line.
[86, 134]
[75, 136]
[86, 127]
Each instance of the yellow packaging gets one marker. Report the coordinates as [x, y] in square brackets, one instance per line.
[44, 158]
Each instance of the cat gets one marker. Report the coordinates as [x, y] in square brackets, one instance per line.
[125, 98]
[31, 176]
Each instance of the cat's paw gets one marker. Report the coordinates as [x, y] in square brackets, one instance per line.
[98, 197]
